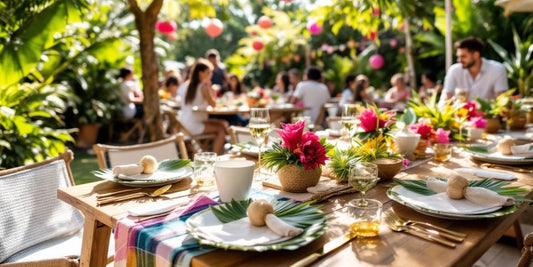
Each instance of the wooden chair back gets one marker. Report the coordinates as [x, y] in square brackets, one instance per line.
[527, 252]
[109, 156]
[239, 134]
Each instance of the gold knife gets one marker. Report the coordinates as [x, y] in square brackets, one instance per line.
[327, 248]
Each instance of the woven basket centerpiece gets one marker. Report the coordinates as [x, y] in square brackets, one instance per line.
[297, 180]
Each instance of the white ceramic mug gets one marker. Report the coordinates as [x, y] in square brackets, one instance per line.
[234, 179]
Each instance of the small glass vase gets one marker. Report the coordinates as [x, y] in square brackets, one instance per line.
[443, 152]
[420, 150]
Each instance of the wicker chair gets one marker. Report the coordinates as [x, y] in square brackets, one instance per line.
[109, 156]
[37, 229]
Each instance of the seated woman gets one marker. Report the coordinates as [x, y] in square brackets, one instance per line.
[170, 88]
[283, 86]
[131, 94]
[347, 95]
[199, 93]
[235, 94]
[397, 96]
[429, 85]
[361, 93]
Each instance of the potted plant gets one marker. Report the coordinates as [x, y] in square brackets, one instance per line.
[494, 110]
[517, 115]
[298, 159]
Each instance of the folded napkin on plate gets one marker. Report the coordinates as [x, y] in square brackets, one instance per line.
[523, 150]
[127, 169]
[487, 174]
[280, 227]
[239, 232]
[477, 195]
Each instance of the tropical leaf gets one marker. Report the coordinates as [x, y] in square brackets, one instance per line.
[500, 187]
[173, 164]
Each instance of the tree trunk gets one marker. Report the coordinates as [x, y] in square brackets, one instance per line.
[409, 55]
[145, 22]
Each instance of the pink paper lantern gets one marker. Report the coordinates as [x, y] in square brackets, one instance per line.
[376, 11]
[314, 28]
[376, 61]
[264, 22]
[214, 28]
[258, 44]
[372, 35]
[393, 42]
[166, 27]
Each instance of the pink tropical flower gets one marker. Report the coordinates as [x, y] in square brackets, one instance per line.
[472, 107]
[423, 129]
[311, 152]
[291, 134]
[406, 162]
[369, 120]
[442, 136]
[478, 122]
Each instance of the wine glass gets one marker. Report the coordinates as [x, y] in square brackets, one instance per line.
[363, 176]
[349, 119]
[259, 127]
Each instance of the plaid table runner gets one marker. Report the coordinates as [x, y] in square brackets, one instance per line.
[161, 241]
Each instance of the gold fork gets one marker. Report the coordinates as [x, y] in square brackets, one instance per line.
[156, 193]
[444, 231]
[394, 226]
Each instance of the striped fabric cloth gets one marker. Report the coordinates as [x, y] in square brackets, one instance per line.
[161, 241]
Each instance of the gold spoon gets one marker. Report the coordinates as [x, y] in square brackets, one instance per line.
[156, 193]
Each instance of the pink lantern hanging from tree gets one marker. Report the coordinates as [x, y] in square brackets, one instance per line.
[258, 44]
[214, 28]
[166, 27]
[264, 22]
[313, 27]
[376, 61]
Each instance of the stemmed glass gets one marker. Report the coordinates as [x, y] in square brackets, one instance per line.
[349, 118]
[363, 176]
[259, 127]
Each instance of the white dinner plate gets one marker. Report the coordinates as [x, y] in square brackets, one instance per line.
[407, 197]
[499, 158]
[158, 178]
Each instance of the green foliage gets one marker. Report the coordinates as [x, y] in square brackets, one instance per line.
[341, 161]
[279, 157]
[496, 107]
[28, 118]
[519, 65]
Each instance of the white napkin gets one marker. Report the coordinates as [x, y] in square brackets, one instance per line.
[483, 197]
[238, 233]
[522, 150]
[280, 227]
[128, 169]
[157, 207]
[488, 174]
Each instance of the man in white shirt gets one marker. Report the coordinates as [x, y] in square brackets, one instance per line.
[312, 93]
[474, 75]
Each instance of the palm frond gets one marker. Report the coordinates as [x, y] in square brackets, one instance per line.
[173, 164]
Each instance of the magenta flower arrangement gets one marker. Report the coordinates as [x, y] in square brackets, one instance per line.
[478, 122]
[423, 128]
[305, 150]
[374, 122]
[441, 136]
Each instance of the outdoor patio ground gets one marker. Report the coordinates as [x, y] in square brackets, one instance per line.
[502, 254]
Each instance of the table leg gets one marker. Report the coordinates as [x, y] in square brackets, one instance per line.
[95, 243]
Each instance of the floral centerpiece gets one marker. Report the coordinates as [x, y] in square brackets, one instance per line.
[494, 110]
[424, 128]
[372, 150]
[258, 97]
[298, 158]
[375, 123]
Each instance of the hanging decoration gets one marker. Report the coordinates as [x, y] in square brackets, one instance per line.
[214, 28]
[313, 27]
[166, 27]
[258, 44]
[393, 42]
[264, 22]
[376, 61]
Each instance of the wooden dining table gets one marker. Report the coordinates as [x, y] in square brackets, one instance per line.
[278, 113]
[389, 248]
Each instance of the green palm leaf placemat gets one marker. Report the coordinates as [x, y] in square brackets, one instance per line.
[302, 215]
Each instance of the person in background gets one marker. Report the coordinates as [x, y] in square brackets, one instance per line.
[170, 88]
[429, 85]
[332, 87]
[473, 74]
[219, 79]
[294, 78]
[283, 86]
[131, 94]
[200, 93]
[397, 96]
[361, 93]
[236, 94]
[312, 93]
[347, 95]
